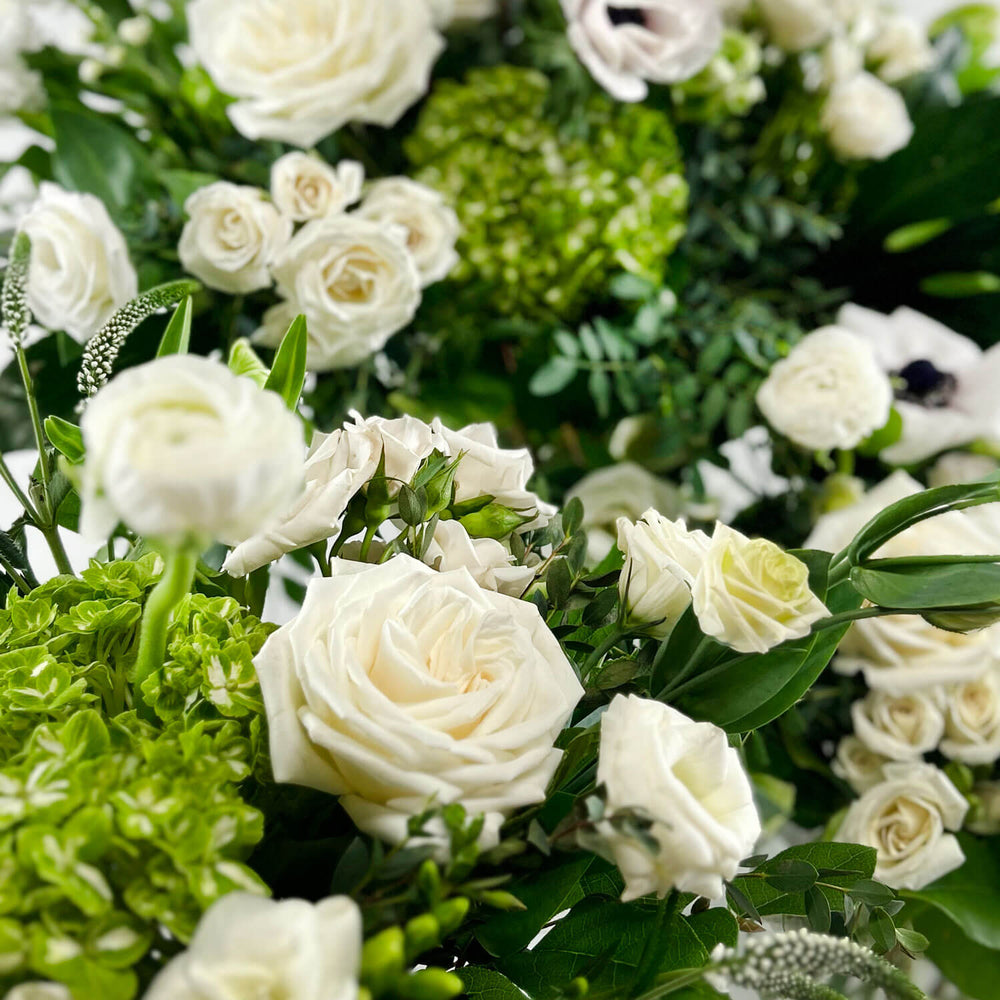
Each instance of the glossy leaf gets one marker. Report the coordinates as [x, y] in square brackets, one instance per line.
[288, 373]
[177, 336]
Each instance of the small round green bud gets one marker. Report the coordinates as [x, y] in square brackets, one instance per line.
[382, 960]
[422, 934]
[430, 984]
[451, 914]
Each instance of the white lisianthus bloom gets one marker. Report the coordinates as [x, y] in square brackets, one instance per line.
[246, 946]
[485, 558]
[900, 47]
[232, 235]
[431, 225]
[828, 393]
[905, 818]
[305, 187]
[80, 271]
[356, 283]
[947, 384]
[795, 25]
[337, 466]
[626, 43]
[972, 720]
[866, 119]
[899, 727]
[684, 776]
[182, 447]
[397, 687]
[860, 766]
[38, 991]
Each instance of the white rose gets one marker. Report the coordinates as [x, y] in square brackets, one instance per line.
[798, 24]
[306, 187]
[80, 271]
[860, 766]
[972, 720]
[901, 48]
[866, 119]
[181, 446]
[752, 595]
[900, 727]
[687, 779]
[246, 946]
[397, 687]
[828, 393]
[431, 225]
[38, 991]
[355, 282]
[904, 818]
[301, 71]
[625, 43]
[961, 467]
[21, 87]
[485, 558]
[231, 236]
[16, 30]
[842, 60]
[337, 466]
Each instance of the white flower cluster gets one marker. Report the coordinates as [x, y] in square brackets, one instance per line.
[356, 276]
[20, 87]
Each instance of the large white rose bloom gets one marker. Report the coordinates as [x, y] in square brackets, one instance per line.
[246, 946]
[232, 235]
[354, 280]
[398, 687]
[905, 818]
[866, 119]
[860, 766]
[900, 727]
[686, 778]
[486, 559]
[795, 25]
[302, 68]
[80, 270]
[183, 447]
[972, 719]
[305, 187]
[828, 393]
[625, 43]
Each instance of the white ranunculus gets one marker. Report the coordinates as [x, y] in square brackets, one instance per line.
[232, 235]
[485, 558]
[866, 119]
[183, 447]
[627, 43]
[431, 225]
[828, 393]
[972, 719]
[305, 187]
[900, 727]
[905, 818]
[398, 687]
[337, 466]
[38, 991]
[860, 766]
[356, 283]
[301, 69]
[246, 946]
[947, 397]
[901, 48]
[686, 778]
[796, 25]
[752, 595]
[80, 270]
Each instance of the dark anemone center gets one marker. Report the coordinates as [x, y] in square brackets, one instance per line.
[627, 15]
[926, 384]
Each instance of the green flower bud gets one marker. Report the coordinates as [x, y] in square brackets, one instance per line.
[501, 900]
[422, 934]
[383, 958]
[430, 984]
[451, 914]
[429, 880]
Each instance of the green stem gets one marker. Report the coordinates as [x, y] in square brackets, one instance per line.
[367, 543]
[687, 670]
[845, 617]
[602, 650]
[55, 543]
[15, 574]
[845, 463]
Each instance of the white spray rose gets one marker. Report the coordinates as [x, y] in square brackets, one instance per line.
[900, 727]
[355, 282]
[901, 48]
[687, 779]
[231, 237]
[246, 946]
[397, 686]
[181, 446]
[828, 393]
[431, 225]
[860, 766]
[305, 187]
[972, 720]
[905, 818]
[625, 43]
[301, 71]
[80, 269]
[866, 119]
[485, 558]
[38, 991]
[841, 60]
[795, 25]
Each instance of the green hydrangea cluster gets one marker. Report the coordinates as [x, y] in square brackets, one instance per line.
[550, 216]
[728, 87]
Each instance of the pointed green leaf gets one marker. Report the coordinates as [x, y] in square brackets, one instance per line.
[177, 336]
[288, 373]
[244, 360]
[66, 438]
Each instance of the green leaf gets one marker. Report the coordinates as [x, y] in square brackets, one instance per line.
[552, 377]
[790, 875]
[818, 911]
[244, 360]
[972, 967]
[177, 336]
[66, 438]
[288, 373]
[487, 984]
[927, 585]
[882, 930]
[559, 583]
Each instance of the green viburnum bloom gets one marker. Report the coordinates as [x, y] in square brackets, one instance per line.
[728, 87]
[550, 215]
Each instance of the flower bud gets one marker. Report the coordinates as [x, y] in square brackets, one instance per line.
[382, 960]
[430, 984]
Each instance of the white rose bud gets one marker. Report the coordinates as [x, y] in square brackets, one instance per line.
[182, 447]
[299, 73]
[972, 720]
[398, 687]
[900, 727]
[905, 818]
[247, 946]
[232, 235]
[80, 271]
[431, 226]
[901, 48]
[485, 558]
[685, 777]
[355, 282]
[305, 187]
[860, 766]
[625, 44]
[828, 393]
[798, 24]
[866, 119]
